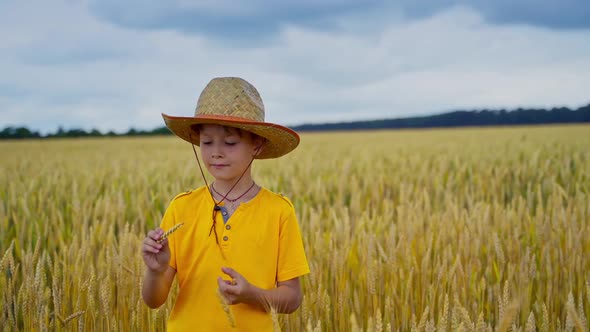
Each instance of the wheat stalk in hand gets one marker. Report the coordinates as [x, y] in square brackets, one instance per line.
[170, 231]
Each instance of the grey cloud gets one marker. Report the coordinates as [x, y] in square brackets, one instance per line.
[559, 14]
[262, 19]
[565, 14]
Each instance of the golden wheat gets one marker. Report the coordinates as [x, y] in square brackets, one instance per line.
[480, 229]
[227, 309]
[170, 231]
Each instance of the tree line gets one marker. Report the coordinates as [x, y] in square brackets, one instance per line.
[24, 132]
[452, 119]
[465, 118]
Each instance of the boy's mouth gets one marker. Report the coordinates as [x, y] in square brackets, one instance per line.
[219, 165]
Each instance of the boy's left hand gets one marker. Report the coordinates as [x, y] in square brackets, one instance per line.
[237, 290]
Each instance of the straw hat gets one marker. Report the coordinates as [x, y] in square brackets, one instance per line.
[233, 102]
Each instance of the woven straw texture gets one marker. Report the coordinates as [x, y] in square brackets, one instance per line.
[233, 102]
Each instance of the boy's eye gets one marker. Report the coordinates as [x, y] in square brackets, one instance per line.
[205, 142]
[230, 143]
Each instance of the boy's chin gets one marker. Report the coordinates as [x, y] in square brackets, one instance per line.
[219, 176]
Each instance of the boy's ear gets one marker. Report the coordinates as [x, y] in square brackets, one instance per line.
[259, 146]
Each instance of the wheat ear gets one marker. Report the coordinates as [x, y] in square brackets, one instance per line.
[170, 231]
[226, 309]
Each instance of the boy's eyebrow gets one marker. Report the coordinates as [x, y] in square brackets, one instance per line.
[232, 131]
[204, 133]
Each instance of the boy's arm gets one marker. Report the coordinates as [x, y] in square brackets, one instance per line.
[285, 298]
[159, 274]
[156, 286]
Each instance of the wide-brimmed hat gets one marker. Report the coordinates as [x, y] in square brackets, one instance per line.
[233, 102]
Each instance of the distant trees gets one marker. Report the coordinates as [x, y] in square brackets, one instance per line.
[23, 132]
[465, 118]
[18, 132]
[452, 119]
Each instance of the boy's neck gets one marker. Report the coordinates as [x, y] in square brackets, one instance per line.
[224, 186]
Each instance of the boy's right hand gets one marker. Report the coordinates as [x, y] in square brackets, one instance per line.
[156, 256]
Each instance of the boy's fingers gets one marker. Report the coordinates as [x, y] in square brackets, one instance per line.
[155, 234]
[225, 283]
[227, 286]
[151, 243]
[222, 284]
[231, 272]
[147, 248]
[232, 290]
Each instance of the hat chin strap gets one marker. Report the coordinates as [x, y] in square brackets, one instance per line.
[216, 206]
[257, 151]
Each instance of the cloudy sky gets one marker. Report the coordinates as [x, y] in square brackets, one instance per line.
[114, 64]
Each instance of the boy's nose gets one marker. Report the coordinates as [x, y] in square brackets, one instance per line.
[216, 152]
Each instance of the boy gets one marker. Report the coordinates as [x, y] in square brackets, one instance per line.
[232, 227]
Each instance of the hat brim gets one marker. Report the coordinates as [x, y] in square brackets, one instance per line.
[280, 140]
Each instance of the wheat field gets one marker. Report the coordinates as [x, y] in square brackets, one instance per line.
[476, 229]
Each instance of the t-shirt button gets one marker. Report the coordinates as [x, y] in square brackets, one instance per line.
[224, 213]
[228, 227]
[225, 238]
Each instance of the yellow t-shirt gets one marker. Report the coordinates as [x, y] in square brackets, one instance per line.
[261, 241]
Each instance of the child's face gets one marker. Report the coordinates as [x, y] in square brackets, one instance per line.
[226, 151]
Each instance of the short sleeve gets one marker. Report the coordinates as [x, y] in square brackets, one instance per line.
[292, 261]
[168, 221]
